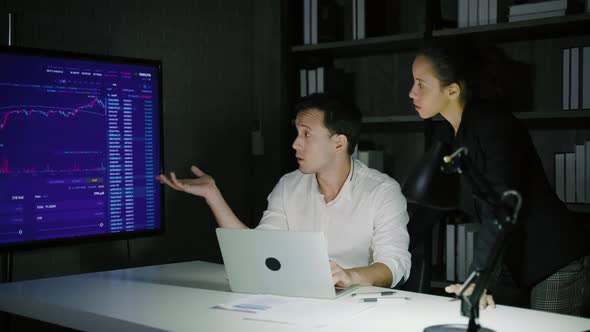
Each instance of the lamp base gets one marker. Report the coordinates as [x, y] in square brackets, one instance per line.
[453, 328]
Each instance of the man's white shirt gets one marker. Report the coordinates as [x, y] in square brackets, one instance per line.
[364, 224]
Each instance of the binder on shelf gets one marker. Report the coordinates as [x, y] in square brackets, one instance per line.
[535, 16]
[461, 249]
[574, 78]
[483, 17]
[320, 79]
[306, 22]
[372, 158]
[585, 82]
[450, 252]
[538, 7]
[312, 81]
[566, 78]
[325, 80]
[570, 177]
[470, 240]
[435, 242]
[587, 155]
[560, 176]
[302, 82]
[314, 21]
[493, 19]
[580, 174]
[330, 21]
[358, 19]
[472, 13]
[463, 13]
[466, 237]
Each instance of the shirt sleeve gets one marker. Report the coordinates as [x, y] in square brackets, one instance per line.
[390, 235]
[274, 217]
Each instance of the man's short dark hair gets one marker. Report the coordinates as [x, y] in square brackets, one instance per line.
[340, 117]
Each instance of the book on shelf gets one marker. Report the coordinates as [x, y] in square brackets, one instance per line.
[483, 12]
[560, 176]
[335, 20]
[450, 252]
[580, 173]
[314, 21]
[312, 81]
[570, 177]
[587, 155]
[462, 13]
[538, 7]
[302, 82]
[320, 85]
[566, 78]
[472, 20]
[310, 22]
[325, 80]
[535, 16]
[358, 19]
[493, 12]
[460, 250]
[574, 78]
[436, 240]
[461, 254]
[585, 81]
[372, 158]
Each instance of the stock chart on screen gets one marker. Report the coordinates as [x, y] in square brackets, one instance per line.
[79, 146]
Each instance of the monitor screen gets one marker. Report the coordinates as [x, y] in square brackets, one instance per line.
[80, 147]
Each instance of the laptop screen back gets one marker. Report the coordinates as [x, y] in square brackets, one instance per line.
[276, 262]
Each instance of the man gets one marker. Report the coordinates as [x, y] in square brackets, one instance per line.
[360, 210]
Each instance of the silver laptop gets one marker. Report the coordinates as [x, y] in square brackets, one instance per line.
[278, 262]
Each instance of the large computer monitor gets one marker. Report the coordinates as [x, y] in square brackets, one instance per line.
[80, 147]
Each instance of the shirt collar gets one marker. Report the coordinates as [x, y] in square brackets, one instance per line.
[345, 191]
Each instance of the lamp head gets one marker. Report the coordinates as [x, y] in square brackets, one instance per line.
[429, 185]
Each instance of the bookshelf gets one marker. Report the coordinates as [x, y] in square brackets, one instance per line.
[382, 67]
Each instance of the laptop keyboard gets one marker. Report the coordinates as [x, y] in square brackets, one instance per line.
[340, 290]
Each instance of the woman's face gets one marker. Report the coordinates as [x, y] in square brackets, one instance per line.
[429, 97]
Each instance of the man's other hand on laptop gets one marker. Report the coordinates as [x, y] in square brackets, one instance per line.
[340, 276]
[376, 274]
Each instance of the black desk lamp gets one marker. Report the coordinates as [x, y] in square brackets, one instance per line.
[435, 184]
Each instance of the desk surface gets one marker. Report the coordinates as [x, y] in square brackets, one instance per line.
[179, 297]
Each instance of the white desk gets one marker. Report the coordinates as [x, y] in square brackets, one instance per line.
[178, 297]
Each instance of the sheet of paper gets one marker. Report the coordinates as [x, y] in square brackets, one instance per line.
[295, 311]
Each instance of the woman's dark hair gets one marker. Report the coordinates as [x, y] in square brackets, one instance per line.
[340, 117]
[479, 69]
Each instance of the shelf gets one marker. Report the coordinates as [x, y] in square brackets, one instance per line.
[579, 207]
[362, 46]
[560, 115]
[574, 24]
[392, 119]
[531, 29]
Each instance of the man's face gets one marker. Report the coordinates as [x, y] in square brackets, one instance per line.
[315, 147]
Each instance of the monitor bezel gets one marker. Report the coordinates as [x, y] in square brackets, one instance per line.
[109, 237]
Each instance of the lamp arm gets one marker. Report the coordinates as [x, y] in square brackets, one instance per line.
[505, 213]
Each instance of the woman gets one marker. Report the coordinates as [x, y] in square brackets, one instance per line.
[547, 253]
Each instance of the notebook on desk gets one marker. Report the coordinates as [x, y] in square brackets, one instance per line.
[278, 262]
